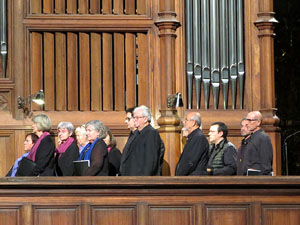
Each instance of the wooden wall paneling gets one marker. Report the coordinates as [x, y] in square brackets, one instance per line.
[71, 6]
[107, 6]
[118, 7]
[111, 215]
[9, 215]
[96, 71]
[8, 153]
[130, 7]
[49, 70]
[119, 65]
[35, 6]
[72, 71]
[61, 72]
[84, 71]
[280, 214]
[141, 7]
[107, 71]
[130, 67]
[56, 214]
[36, 68]
[227, 215]
[60, 6]
[143, 64]
[174, 215]
[27, 214]
[83, 7]
[94, 6]
[142, 213]
[47, 6]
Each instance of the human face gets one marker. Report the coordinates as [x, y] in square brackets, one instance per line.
[253, 122]
[28, 143]
[64, 134]
[189, 123]
[140, 121]
[214, 135]
[129, 121]
[81, 139]
[91, 133]
[107, 140]
[244, 129]
[34, 128]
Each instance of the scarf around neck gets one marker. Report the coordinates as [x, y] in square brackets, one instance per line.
[64, 146]
[87, 150]
[32, 152]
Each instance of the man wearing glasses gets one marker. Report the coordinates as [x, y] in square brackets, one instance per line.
[258, 150]
[144, 152]
[194, 157]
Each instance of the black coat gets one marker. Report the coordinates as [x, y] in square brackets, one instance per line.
[142, 154]
[114, 160]
[194, 158]
[64, 164]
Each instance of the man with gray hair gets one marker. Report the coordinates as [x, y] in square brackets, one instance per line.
[144, 152]
[193, 159]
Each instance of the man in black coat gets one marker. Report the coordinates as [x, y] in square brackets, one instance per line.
[194, 157]
[143, 149]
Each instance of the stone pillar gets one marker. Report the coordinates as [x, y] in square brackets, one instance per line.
[169, 121]
[265, 24]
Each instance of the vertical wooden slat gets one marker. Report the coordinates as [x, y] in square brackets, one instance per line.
[118, 7]
[49, 70]
[130, 49]
[83, 6]
[119, 71]
[35, 6]
[36, 59]
[96, 86]
[141, 7]
[72, 60]
[48, 6]
[72, 6]
[94, 6]
[143, 88]
[84, 72]
[107, 72]
[60, 6]
[130, 7]
[60, 61]
[107, 6]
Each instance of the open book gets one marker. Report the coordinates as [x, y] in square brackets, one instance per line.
[80, 167]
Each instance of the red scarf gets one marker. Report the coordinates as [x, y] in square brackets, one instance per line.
[36, 145]
[64, 146]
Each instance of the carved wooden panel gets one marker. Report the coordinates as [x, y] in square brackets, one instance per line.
[176, 215]
[9, 215]
[227, 215]
[7, 151]
[281, 214]
[56, 214]
[111, 215]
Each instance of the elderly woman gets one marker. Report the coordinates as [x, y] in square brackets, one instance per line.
[96, 150]
[41, 156]
[30, 140]
[81, 138]
[67, 151]
[114, 154]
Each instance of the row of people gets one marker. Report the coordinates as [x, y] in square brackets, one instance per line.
[143, 152]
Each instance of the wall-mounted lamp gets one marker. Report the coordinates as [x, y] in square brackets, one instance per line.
[174, 100]
[37, 98]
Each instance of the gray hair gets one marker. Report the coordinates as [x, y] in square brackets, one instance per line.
[67, 125]
[197, 118]
[43, 122]
[98, 126]
[80, 131]
[145, 112]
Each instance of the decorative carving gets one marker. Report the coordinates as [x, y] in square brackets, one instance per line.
[3, 103]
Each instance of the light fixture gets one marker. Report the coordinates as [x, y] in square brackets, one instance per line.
[174, 100]
[37, 98]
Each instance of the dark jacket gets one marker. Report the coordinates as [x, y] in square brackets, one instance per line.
[142, 154]
[64, 164]
[114, 160]
[193, 159]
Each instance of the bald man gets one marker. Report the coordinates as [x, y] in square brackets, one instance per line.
[257, 147]
[194, 157]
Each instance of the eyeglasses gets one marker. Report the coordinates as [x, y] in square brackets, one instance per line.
[185, 120]
[251, 120]
[138, 117]
[64, 130]
[213, 131]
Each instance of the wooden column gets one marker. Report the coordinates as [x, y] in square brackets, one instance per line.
[169, 121]
[265, 23]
